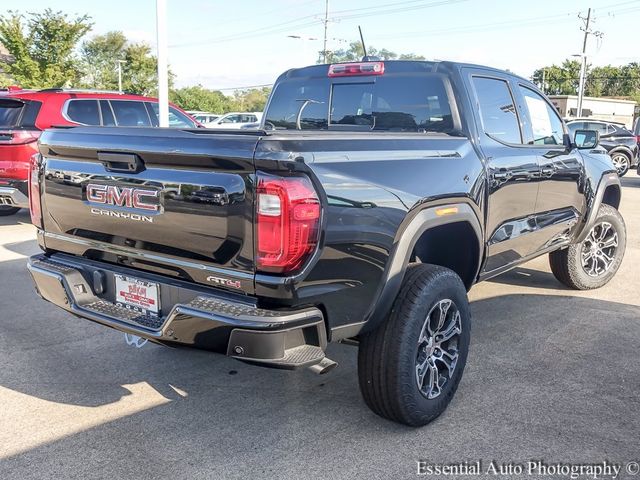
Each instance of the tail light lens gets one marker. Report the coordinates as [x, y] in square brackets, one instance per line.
[34, 190]
[18, 137]
[288, 220]
[353, 69]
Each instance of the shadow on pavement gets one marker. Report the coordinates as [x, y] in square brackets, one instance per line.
[26, 248]
[21, 217]
[552, 377]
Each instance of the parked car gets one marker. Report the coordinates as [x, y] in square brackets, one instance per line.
[24, 114]
[250, 126]
[235, 120]
[203, 117]
[381, 192]
[620, 143]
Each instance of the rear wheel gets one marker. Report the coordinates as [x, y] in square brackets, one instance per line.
[6, 210]
[622, 162]
[593, 262]
[409, 368]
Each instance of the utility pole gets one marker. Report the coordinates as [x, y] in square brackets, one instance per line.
[163, 74]
[120, 62]
[583, 66]
[326, 22]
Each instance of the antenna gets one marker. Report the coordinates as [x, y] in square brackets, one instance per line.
[364, 47]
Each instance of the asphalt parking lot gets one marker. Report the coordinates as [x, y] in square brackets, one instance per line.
[553, 375]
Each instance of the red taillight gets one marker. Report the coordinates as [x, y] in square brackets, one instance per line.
[34, 190]
[18, 137]
[288, 219]
[352, 69]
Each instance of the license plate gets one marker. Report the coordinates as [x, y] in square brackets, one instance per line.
[137, 295]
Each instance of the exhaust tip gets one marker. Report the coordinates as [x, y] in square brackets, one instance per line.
[324, 366]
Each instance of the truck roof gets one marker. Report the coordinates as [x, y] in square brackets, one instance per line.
[413, 65]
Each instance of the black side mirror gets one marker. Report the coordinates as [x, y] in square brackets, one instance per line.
[586, 139]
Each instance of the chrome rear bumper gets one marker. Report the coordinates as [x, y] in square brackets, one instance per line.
[12, 197]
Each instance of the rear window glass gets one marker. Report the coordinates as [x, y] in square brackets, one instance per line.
[10, 112]
[83, 111]
[409, 103]
[130, 113]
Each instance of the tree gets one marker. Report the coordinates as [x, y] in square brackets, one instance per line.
[42, 48]
[252, 100]
[605, 81]
[355, 52]
[100, 57]
[559, 80]
[140, 70]
[200, 98]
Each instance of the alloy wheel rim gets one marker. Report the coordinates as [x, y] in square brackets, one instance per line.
[599, 249]
[619, 162]
[438, 348]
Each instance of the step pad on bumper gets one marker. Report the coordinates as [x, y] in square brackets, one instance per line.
[278, 338]
[112, 310]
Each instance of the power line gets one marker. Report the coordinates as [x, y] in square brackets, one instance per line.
[246, 87]
[304, 21]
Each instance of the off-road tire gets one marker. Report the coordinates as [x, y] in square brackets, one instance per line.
[387, 356]
[6, 210]
[566, 265]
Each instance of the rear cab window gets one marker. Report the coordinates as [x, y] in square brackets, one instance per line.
[396, 101]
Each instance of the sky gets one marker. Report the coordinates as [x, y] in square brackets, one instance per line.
[222, 44]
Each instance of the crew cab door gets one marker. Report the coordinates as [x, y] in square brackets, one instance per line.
[512, 170]
[559, 200]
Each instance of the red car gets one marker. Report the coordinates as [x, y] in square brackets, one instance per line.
[25, 113]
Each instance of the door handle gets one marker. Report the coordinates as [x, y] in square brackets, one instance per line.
[506, 175]
[121, 162]
[548, 170]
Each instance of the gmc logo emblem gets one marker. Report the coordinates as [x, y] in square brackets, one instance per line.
[129, 197]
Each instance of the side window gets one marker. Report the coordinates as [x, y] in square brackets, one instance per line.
[545, 123]
[107, 114]
[83, 111]
[179, 120]
[152, 110]
[602, 128]
[130, 113]
[497, 109]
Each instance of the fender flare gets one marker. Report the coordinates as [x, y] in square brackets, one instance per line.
[607, 180]
[404, 243]
[622, 149]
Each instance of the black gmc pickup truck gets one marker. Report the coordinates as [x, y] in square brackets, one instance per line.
[373, 197]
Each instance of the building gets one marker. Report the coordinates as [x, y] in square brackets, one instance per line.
[600, 108]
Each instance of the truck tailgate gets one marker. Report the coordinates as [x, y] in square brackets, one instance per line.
[174, 202]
